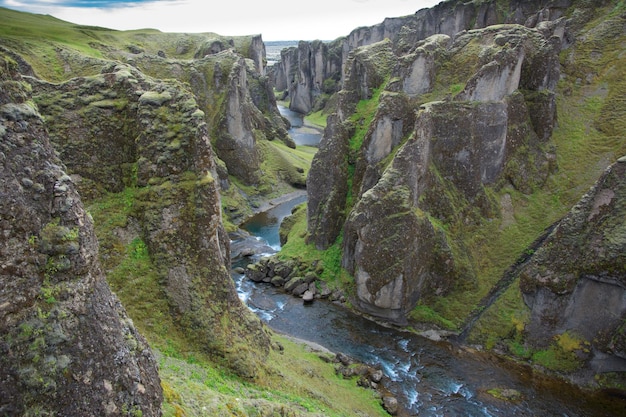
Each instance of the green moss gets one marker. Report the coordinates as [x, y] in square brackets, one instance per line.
[506, 394]
[556, 359]
[612, 380]
[425, 314]
[504, 320]
[328, 262]
[194, 385]
[362, 118]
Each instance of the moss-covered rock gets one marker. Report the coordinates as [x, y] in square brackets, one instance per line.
[162, 146]
[418, 173]
[586, 296]
[68, 346]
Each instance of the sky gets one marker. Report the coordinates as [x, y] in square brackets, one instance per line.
[274, 19]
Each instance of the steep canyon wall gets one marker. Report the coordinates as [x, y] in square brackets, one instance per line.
[68, 346]
[315, 69]
[164, 132]
[437, 125]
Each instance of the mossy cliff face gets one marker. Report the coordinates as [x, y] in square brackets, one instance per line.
[327, 185]
[238, 105]
[68, 347]
[308, 73]
[304, 71]
[120, 129]
[418, 171]
[576, 280]
[212, 66]
[164, 154]
[328, 180]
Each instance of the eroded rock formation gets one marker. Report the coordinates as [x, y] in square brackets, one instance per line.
[303, 70]
[575, 283]
[444, 154]
[67, 345]
[307, 72]
[162, 146]
[238, 105]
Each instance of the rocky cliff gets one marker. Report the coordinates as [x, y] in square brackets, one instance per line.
[225, 74]
[238, 105]
[68, 346]
[440, 147]
[121, 129]
[125, 133]
[481, 135]
[309, 73]
[583, 300]
[135, 124]
[304, 71]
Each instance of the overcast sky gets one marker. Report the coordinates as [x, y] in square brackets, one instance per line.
[274, 19]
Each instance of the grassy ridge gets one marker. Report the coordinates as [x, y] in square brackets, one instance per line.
[58, 50]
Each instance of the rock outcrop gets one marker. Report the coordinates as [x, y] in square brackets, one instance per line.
[585, 299]
[443, 154]
[303, 71]
[67, 345]
[238, 105]
[163, 148]
[307, 73]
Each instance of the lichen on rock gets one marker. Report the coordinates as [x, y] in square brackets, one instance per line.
[439, 156]
[68, 346]
[588, 295]
[163, 152]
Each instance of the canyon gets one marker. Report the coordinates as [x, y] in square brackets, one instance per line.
[469, 186]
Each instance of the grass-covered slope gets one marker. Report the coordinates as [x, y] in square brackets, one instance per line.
[58, 50]
[588, 138]
[294, 380]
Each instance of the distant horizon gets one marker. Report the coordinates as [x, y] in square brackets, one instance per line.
[274, 20]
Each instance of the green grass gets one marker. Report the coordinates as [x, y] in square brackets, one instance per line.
[297, 382]
[588, 137]
[425, 314]
[293, 380]
[317, 119]
[328, 262]
[362, 118]
[278, 154]
[52, 45]
[130, 271]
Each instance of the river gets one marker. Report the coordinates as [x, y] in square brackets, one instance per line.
[301, 133]
[429, 378]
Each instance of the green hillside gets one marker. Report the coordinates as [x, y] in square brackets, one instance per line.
[58, 50]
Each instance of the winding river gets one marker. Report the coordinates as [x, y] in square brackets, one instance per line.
[428, 378]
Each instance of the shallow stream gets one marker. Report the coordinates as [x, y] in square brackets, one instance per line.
[428, 378]
[301, 133]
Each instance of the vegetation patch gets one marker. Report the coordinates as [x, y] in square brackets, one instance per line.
[425, 314]
[362, 118]
[296, 381]
[317, 118]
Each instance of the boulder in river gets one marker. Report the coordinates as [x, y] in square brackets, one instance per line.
[390, 404]
[308, 296]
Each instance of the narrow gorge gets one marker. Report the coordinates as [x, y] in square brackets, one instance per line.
[462, 214]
